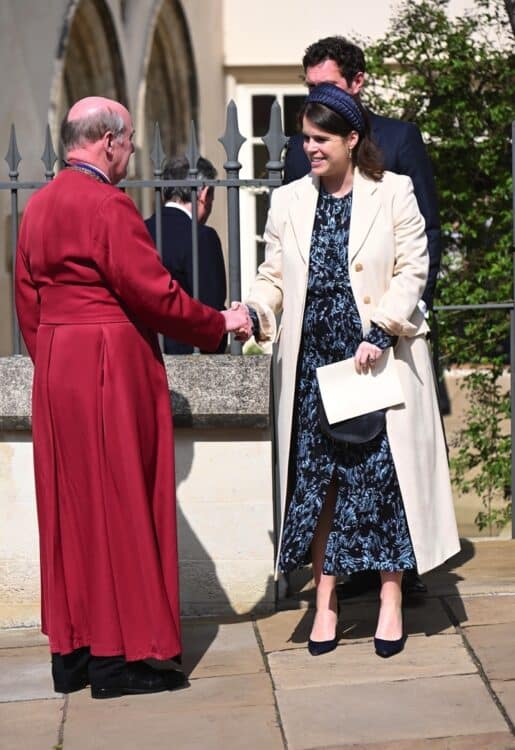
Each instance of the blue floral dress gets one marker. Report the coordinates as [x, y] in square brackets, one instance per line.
[369, 530]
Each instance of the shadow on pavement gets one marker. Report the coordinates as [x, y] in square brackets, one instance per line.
[423, 613]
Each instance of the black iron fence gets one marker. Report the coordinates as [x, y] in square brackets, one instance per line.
[232, 141]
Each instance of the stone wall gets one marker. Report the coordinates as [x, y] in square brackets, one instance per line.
[224, 487]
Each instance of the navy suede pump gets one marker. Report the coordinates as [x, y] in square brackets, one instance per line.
[317, 648]
[385, 649]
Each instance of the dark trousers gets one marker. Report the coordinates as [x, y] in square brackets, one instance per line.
[79, 668]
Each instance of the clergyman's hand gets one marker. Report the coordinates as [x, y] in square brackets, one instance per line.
[237, 321]
[246, 332]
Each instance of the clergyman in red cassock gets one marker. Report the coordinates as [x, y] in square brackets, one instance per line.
[90, 294]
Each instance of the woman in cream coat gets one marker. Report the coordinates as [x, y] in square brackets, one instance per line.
[346, 264]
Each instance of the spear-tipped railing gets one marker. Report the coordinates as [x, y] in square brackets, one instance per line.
[232, 141]
[158, 158]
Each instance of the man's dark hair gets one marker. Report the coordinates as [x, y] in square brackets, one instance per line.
[178, 169]
[348, 57]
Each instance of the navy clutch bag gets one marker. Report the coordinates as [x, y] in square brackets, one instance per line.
[360, 429]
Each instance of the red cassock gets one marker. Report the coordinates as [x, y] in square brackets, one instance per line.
[90, 294]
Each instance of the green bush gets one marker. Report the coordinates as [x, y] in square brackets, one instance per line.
[456, 79]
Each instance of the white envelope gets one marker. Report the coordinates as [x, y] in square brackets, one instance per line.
[346, 393]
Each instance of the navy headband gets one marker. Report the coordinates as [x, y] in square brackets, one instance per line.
[340, 102]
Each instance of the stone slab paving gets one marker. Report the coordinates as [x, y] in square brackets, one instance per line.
[430, 697]
[489, 741]
[505, 691]
[219, 713]
[494, 646]
[358, 664]
[482, 567]
[346, 714]
[215, 650]
[483, 610]
[30, 725]
[25, 674]
[290, 629]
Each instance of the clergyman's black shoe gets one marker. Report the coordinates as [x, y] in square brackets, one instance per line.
[72, 686]
[138, 678]
[70, 671]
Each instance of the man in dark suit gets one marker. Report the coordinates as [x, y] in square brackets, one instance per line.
[336, 60]
[177, 241]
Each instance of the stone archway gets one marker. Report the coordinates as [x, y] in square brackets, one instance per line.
[89, 61]
[169, 93]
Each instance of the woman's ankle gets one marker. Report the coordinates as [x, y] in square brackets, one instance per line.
[391, 589]
[326, 601]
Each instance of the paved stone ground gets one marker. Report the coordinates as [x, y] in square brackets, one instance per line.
[254, 685]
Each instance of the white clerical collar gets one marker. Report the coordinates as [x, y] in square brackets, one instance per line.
[180, 206]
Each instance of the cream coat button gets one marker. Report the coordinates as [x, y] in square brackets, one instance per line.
[366, 300]
[358, 267]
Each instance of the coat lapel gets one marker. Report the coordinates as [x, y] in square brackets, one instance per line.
[302, 213]
[365, 207]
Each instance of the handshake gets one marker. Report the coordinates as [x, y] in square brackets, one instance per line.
[238, 321]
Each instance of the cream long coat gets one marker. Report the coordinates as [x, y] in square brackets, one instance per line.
[388, 265]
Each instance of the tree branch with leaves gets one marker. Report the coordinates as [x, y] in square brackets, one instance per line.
[456, 79]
